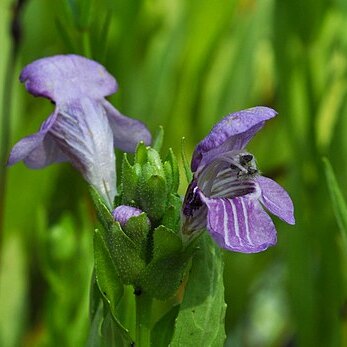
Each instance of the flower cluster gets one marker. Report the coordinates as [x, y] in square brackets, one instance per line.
[227, 192]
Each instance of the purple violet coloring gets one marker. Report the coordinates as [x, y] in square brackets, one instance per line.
[123, 213]
[227, 193]
[84, 127]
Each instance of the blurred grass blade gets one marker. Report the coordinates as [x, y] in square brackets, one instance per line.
[103, 37]
[13, 290]
[339, 204]
[65, 36]
[186, 165]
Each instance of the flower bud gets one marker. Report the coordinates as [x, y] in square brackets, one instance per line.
[123, 213]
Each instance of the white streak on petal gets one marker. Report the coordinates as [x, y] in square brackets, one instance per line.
[245, 214]
[225, 224]
[236, 223]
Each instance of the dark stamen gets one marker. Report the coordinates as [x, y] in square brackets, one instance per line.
[252, 171]
[246, 158]
[192, 200]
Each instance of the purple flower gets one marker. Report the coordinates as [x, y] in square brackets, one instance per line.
[227, 193]
[84, 127]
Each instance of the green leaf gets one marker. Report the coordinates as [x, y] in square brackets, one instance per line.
[158, 140]
[106, 272]
[129, 181]
[163, 275]
[162, 331]
[166, 242]
[153, 197]
[137, 229]
[141, 153]
[126, 255]
[104, 214]
[155, 162]
[339, 204]
[94, 337]
[186, 165]
[171, 218]
[171, 172]
[200, 321]
[168, 175]
[108, 282]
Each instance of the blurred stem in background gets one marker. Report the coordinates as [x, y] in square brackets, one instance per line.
[5, 126]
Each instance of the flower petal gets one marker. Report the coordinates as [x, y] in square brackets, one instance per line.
[127, 132]
[276, 199]
[82, 132]
[24, 147]
[46, 153]
[65, 77]
[232, 133]
[240, 224]
[37, 150]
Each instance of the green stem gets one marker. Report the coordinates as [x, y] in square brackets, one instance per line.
[143, 318]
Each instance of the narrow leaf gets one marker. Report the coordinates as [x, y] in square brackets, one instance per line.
[339, 204]
[95, 338]
[158, 140]
[141, 153]
[108, 282]
[129, 181]
[171, 158]
[105, 272]
[104, 214]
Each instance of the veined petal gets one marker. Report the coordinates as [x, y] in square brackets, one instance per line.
[232, 133]
[64, 77]
[127, 132]
[276, 199]
[83, 134]
[239, 224]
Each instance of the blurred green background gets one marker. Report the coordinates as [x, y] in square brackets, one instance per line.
[184, 64]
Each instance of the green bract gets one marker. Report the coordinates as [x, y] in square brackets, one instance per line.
[147, 251]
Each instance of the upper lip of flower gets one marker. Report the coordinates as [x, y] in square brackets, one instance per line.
[227, 189]
[232, 133]
[84, 128]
